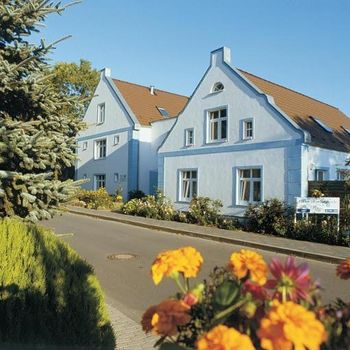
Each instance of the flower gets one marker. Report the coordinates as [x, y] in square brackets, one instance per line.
[290, 281]
[247, 261]
[224, 338]
[164, 318]
[258, 292]
[343, 269]
[187, 261]
[290, 326]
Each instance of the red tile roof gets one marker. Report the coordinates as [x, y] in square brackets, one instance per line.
[145, 105]
[302, 108]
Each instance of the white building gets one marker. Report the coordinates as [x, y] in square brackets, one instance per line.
[239, 138]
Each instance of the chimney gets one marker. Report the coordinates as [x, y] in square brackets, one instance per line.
[152, 90]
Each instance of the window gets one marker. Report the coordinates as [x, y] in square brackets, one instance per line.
[323, 125]
[343, 174]
[116, 177]
[217, 87]
[101, 113]
[100, 181]
[217, 125]
[100, 149]
[85, 144]
[188, 185]
[249, 186]
[116, 140]
[189, 137]
[248, 129]
[163, 112]
[321, 175]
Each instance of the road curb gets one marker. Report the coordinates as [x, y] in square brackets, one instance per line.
[272, 248]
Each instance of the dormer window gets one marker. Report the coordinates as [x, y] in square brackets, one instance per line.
[323, 125]
[218, 87]
[101, 108]
[346, 129]
[163, 112]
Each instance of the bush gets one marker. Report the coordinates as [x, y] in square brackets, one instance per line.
[154, 207]
[99, 199]
[136, 194]
[271, 217]
[204, 211]
[48, 294]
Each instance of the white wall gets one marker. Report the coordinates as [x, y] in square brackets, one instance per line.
[321, 158]
[276, 145]
[116, 122]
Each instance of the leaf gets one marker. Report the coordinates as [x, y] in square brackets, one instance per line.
[171, 346]
[226, 293]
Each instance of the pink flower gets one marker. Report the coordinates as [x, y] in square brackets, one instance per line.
[291, 282]
[258, 292]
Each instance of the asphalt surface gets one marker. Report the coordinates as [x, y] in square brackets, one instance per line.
[127, 283]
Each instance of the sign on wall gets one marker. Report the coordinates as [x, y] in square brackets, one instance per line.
[321, 205]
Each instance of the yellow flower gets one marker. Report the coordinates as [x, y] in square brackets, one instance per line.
[224, 338]
[164, 318]
[185, 260]
[343, 269]
[247, 261]
[290, 326]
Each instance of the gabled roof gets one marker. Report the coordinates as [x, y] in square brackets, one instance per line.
[304, 110]
[146, 106]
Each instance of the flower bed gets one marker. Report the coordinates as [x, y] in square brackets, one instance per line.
[246, 305]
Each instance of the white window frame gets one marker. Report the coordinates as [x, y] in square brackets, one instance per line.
[116, 140]
[325, 174]
[210, 122]
[116, 177]
[96, 150]
[85, 145]
[101, 117]
[251, 181]
[245, 129]
[187, 137]
[191, 180]
[96, 180]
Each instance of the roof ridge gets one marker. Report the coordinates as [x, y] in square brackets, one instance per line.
[147, 87]
[287, 88]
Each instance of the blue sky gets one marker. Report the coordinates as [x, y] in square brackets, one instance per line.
[302, 44]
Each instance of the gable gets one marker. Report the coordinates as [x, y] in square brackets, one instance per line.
[146, 106]
[302, 108]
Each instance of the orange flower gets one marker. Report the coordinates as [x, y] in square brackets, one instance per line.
[185, 260]
[224, 338]
[290, 326]
[248, 262]
[343, 269]
[164, 318]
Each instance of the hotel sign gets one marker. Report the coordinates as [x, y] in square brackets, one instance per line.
[321, 205]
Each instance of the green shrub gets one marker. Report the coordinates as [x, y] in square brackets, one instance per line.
[271, 217]
[48, 294]
[204, 211]
[155, 207]
[136, 194]
[99, 199]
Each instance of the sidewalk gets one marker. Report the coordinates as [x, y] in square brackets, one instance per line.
[128, 333]
[309, 250]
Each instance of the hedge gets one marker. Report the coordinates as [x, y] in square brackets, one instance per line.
[48, 294]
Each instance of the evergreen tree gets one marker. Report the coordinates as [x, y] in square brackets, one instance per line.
[36, 130]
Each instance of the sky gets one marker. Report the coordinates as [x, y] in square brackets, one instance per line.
[301, 44]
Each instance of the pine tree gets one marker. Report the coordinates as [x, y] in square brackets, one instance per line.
[36, 132]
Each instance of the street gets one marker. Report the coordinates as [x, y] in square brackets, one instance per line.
[127, 282]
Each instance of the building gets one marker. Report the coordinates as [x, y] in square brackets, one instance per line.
[239, 138]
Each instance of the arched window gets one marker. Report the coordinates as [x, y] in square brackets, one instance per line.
[218, 87]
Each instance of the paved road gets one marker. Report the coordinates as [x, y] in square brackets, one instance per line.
[127, 283]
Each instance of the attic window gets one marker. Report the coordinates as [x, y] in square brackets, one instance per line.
[163, 112]
[322, 124]
[218, 87]
[346, 129]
